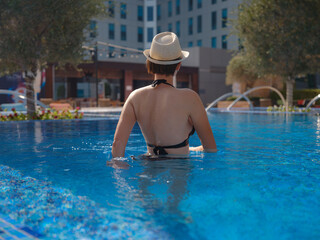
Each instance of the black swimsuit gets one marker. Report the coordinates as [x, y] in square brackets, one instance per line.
[159, 150]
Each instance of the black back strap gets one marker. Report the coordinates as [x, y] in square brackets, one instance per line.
[160, 150]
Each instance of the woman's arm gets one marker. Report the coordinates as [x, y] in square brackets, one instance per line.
[124, 127]
[201, 124]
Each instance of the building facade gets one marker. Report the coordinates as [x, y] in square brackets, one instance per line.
[202, 23]
[118, 65]
[115, 63]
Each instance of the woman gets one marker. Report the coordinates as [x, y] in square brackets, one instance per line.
[167, 116]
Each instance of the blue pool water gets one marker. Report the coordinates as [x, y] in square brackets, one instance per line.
[264, 183]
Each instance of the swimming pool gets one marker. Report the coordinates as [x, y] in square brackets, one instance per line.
[264, 183]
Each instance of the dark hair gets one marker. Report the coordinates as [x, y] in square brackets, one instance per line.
[154, 68]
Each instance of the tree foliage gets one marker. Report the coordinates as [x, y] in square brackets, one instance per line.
[239, 70]
[281, 37]
[35, 32]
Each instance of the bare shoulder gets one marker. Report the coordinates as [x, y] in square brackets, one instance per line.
[138, 92]
[189, 95]
[188, 91]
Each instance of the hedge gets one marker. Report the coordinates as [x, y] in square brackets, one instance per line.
[298, 94]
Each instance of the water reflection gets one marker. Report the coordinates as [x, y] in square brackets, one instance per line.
[38, 135]
[157, 190]
[318, 132]
[164, 184]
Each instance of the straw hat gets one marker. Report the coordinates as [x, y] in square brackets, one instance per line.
[165, 49]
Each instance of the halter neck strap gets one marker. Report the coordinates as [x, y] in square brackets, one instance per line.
[159, 81]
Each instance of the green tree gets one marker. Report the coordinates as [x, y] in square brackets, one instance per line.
[281, 37]
[36, 32]
[239, 70]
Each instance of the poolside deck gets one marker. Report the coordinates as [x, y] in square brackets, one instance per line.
[101, 111]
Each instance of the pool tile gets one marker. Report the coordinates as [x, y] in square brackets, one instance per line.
[17, 233]
[7, 237]
[31, 232]
[9, 230]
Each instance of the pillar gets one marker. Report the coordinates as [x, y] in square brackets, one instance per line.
[49, 82]
[195, 82]
[128, 83]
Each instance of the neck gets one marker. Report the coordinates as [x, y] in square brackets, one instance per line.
[169, 78]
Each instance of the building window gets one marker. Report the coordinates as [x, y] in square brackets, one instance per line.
[224, 18]
[150, 34]
[150, 14]
[93, 25]
[224, 42]
[178, 28]
[177, 7]
[190, 26]
[169, 8]
[111, 31]
[140, 13]
[158, 12]
[190, 6]
[111, 9]
[93, 29]
[199, 24]
[111, 52]
[199, 43]
[123, 53]
[190, 44]
[213, 1]
[123, 10]
[123, 36]
[158, 29]
[140, 34]
[214, 20]
[199, 3]
[169, 27]
[214, 42]
[240, 46]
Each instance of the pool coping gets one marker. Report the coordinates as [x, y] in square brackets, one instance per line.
[258, 110]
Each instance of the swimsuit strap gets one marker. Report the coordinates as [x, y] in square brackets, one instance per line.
[159, 81]
[192, 131]
[160, 150]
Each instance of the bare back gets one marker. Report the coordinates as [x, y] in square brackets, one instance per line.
[166, 116]
[163, 114]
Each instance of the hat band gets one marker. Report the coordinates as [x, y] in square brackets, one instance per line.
[166, 60]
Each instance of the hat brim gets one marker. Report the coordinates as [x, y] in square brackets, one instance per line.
[184, 55]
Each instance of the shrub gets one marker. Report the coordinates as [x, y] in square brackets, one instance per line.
[282, 108]
[232, 98]
[305, 93]
[298, 94]
[49, 114]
